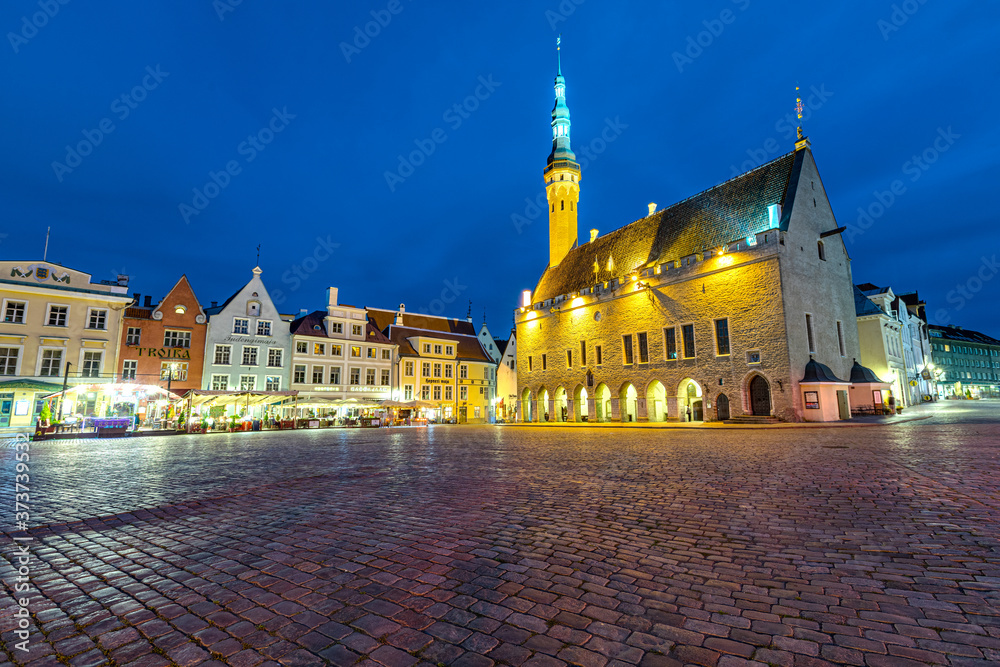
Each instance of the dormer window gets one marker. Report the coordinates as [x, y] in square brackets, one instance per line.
[179, 309]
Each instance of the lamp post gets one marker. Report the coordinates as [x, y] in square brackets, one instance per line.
[62, 398]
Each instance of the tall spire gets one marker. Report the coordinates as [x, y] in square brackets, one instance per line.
[560, 114]
[562, 175]
[559, 55]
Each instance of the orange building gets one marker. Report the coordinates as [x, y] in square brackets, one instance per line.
[164, 344]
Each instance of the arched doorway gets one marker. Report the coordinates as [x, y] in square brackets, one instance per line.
[689, 401]
[722, 407]
[561, 408]
[760, 396]
[656, 401]
[526, 405]
[543, 405]
[581, 412]
[628, 402]
[602, 399]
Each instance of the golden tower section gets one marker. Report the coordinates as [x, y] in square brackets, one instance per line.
[562, 189]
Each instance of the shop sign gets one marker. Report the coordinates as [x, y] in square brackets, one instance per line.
[166, 352]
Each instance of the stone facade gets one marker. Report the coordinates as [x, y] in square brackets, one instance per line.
[709, 309]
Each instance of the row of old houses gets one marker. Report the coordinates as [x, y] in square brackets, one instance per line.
[94, 349]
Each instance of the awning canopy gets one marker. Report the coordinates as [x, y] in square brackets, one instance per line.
[213, 398]
[124, 388]
[30, 385]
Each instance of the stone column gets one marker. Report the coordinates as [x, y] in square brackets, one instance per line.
[616, 413]
[641, 412]
[673, 408]
[570, 410]
[552, 410]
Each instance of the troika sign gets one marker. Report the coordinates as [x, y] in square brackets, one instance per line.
[166, 352]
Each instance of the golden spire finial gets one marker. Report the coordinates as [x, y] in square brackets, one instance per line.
[798, 110]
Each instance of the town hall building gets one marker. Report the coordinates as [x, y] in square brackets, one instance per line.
[734, 303]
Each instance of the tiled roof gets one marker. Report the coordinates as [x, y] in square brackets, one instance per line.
[863, 305]
[307, 325]
[383, 319]
[314, 324]
[467, 348]
[862, 375]
[501, 344]
[817, 372]
[139, 313]
[725, 213]
[958, 333]
[373, 335]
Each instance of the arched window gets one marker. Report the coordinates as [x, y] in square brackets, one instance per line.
[821, 250]
[562, 204]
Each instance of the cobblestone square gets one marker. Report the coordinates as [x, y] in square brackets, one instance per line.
[482, 545]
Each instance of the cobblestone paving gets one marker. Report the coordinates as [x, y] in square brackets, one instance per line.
[474, 546]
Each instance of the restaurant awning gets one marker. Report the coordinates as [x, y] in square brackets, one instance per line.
[217, 398]
[124, 388]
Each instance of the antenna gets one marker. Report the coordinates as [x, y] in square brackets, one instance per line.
[469, 314]
[558, 54]
[46, 253]
[258, 255]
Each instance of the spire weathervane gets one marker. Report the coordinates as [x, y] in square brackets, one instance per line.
[798, 110]
[559, 54]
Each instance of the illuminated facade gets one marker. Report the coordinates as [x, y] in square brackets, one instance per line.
[339, 359]
[709, 309]
[441, 361]
[247, 344]
[164, 344]
[53, 315]
[967, 363]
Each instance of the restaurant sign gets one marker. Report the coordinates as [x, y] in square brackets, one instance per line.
[166, 352]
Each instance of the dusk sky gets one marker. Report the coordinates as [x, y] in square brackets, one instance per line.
[120, 123]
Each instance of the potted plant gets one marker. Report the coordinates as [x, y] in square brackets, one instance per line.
[232, 423]
[181, 419]
[204, 425]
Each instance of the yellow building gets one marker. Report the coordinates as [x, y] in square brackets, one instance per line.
[54, 316]
[440, 361]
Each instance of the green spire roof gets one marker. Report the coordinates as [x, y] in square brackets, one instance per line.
[560, 115]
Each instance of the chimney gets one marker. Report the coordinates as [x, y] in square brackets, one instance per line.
[593, 235]
[136, 297]
[331, 297]
[214, 304]
[399, 315]
[652, 207]
[148, 303]
[303, 312]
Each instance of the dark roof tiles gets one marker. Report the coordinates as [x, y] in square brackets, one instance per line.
[725, 213]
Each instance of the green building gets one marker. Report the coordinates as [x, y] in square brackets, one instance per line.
[966, 363]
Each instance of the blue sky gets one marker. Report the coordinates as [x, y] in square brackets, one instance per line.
[211, 127]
